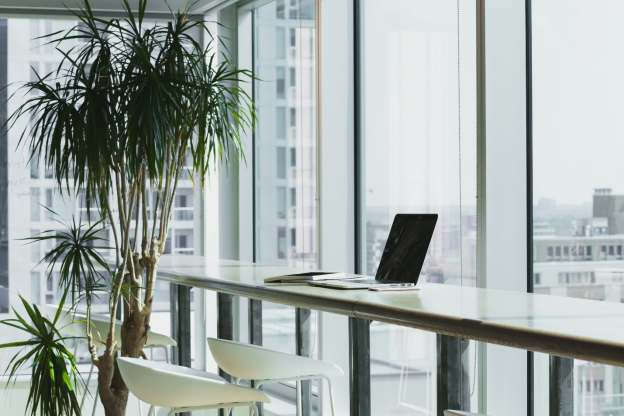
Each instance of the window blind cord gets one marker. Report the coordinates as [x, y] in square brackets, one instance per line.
[301, 170]
[474, 369]
[461, 236]
[461, 256]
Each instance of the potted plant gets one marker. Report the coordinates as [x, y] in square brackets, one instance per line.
[129, 110]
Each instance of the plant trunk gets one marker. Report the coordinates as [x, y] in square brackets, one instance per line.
[113, 391]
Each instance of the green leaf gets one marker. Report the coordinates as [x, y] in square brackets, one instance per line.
[52, 390]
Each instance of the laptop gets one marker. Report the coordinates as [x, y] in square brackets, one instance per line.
[402, 259]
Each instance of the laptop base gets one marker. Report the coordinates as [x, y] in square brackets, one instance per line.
[361, 284]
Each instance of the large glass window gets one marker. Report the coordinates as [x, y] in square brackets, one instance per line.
[285, 140]
[26, 189]
[285, 150]
[578, 177]
[418, 135]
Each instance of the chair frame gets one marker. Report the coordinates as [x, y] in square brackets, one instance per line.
[298, 380]
[175, 410]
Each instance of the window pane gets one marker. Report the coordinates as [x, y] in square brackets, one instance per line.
[284, 157]
[413, 155]
[280, 163]
[281, 202]
[280, 43]
[280, 123]
[293, 77]
[578, 177]
[35, 248]
[285, 140]
[183, 208]
[35, 204]
[280, 82]
[35, 287]
[279, 9]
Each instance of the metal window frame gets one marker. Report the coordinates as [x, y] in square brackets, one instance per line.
[529, 190]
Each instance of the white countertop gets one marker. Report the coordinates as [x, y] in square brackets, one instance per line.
[576, 328]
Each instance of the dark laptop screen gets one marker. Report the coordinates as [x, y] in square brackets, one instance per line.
[406, 248]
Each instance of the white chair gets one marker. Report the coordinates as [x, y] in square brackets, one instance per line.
[72, 323]
[184, 389]
[264, 366]
[460, 413]
[69, 325]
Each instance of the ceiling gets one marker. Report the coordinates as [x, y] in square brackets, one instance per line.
[154, 7]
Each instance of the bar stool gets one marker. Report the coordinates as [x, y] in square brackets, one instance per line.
[264, 366]
[69, 325]
[72, 323]
[460, 413]
[184, 389]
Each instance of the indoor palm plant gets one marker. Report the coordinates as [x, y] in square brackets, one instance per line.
[52, 388]
[131, 108]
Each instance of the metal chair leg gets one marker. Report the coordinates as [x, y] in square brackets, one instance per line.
[84, 396]
[95, 401]
[76, 347]
[298, 397]
[152, 410]
[331, 395]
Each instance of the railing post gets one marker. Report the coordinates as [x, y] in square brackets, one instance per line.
[305, 341]
[180, 308]
[453, 391]
[561, 400]
[255, 322]
[359, 367]
[255, 333]
[174, 320]
[225, 326]
[225, 321]
[184, 326]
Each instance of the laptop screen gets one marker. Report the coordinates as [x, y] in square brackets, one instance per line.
[406, 248]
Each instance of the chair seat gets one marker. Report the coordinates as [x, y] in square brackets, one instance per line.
[99, 332]
[168, 385]
[99, 328]
[460, 413]
[252, 362]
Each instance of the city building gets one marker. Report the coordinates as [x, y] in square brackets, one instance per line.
[588, 264]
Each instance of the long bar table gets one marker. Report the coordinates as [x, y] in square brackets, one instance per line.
[563, 327]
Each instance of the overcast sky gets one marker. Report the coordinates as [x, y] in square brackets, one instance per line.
[578, 75]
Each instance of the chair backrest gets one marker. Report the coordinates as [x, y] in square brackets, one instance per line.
[67, 320]
[99, 327]
[169, 385]
[99, 331]
[252, 362]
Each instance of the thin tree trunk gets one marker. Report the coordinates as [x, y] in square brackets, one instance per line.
[113, 391]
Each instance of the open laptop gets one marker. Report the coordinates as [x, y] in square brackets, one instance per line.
[403, 255]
